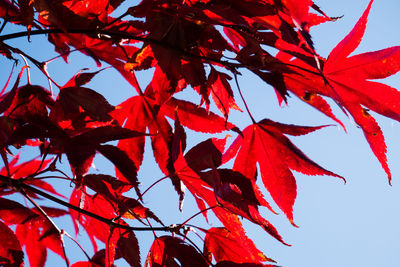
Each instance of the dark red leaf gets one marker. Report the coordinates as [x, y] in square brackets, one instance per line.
[131, 208]
[106, 185]
[81, 78]
[94, 104]
[128, 247]
[11, 253]
[206, 155]
[98, 205]
[221, 91]
[102, 135]
[135, 114]
[123, 163]
[12, 212]
[7, 99]
[168, 250]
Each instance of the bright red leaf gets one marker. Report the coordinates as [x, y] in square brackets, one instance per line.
[347, 80]
[185, 45]
[226, 246]
[265, 143]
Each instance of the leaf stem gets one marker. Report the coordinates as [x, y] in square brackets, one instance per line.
[244, 101]
[3, 25]
[28, 73]
[198, 213]
[37, 63]
[79, 245]
[156, 182]
[47, 217]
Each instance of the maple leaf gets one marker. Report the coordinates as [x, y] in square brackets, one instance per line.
[226, 246]
[33, 231]
[205, 155]
[264, 142]
[347, 80]
[6, 99]
[221, 91]
[12, 212]
[98, 260]
[71, 99]
[19, 14]
[227, 192]
[166, 250]
[184, 42]
[98, 205]
[131, 208]
[141, 112]
[111, 189]
[106, 185]
[11, 253]
[120, 241]
[125, 243]
[24, 170]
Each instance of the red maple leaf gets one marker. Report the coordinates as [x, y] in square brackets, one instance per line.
[265, 143]
[11, 253]
[166, 250]
[226, 246]
[347, 80]
[34, 231]
[229, 193]
[24, 170]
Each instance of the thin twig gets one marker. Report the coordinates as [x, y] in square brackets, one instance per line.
[198, 213]
[37, 63]
[52, 177]
[121, 35]
[244, 101]
[153, 184]
[3, 25]
[28, 73]
[79, 245]
[46, 152]
[47, 217]
[63, 173]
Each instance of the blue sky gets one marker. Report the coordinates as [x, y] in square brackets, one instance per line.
[355, 224]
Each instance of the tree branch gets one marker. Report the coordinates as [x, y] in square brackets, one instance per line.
[108, 35]
[18, 185]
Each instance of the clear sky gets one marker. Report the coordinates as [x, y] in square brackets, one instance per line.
[349, 225]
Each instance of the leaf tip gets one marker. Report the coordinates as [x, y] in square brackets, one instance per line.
[292, 223]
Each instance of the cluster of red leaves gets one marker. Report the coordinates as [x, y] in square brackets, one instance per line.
[186, 43]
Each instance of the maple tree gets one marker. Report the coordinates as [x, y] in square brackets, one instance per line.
[200, 45]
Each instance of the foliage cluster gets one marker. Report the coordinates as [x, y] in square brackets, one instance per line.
[200, 45]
